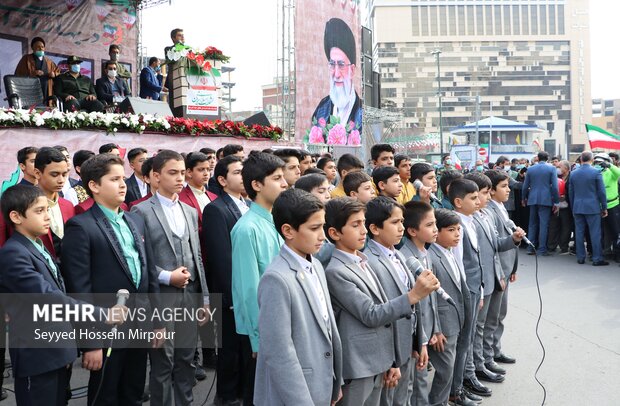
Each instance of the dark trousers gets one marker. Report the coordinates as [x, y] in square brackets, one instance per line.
[593, 222]
[47, 389]
[249, 371]
[611, 229]
[465, 340]
[229, 361]
[123, 381]
[83, 104]
[560, 229]
[539, 226]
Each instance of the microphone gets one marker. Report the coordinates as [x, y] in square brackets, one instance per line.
[417, 184]
[513, 227]
[121, 299]
[410, 264]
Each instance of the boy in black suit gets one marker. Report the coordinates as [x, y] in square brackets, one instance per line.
[41, 374]
[109, 252]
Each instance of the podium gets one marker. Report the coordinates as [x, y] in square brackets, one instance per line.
[193, 93]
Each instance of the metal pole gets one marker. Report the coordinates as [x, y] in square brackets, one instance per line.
[477, 120]
[437, 52]
[490, 129]
[229, 96]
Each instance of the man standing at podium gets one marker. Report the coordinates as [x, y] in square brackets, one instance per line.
[177, 37]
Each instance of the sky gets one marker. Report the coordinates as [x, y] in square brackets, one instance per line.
[246, 31]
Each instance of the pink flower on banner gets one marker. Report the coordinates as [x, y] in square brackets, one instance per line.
[316, 135]
[337, 135]
[322, 122]
[354, 138]
[351, 126]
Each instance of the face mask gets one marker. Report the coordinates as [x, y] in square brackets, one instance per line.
[479, 168]
[520, 166]
[114, 56]
[157, 68]
[507, 168]
[448, 162]
[75, 68]
[598, 168]
[39, 54]
[111, 74]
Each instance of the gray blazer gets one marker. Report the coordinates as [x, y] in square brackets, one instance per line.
[509, 259]
[459, 292]
[490, 245]
[160, 235]
[364, 317]
[300, 359]
[392, 286]
[428, 306]
[471, 260]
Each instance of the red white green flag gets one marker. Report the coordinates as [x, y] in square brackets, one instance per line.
[600, 138]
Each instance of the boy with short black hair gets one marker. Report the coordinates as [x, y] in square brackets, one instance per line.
[384, 220]
[362, 307]
[387, 180]
[453, 317]
[41, 374]
[446, 178]
[420, 233]
[425, 173]
[296, 321]
[110, 148]
[382, 155]
[147, 173]
[328, 165]
[359, 186]
[498, 304]
[403, 164]
[137, 188]
[315, 184]
[255, 242]
[291, 158]
[305, 161]
[79, 158]
[233, 149]
[25, 159]
[347, 163]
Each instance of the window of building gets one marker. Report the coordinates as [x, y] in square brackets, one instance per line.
[534, 20]
[461, 20]
[488, 19]
[433, 20]
[479, 21]
[560, 19]
[507, 20]
[543, 20]
[415, 21]
[453, 22]
[424, 21]
[498, 20]
[552, 18]
[470, 21]
[443, 23]
[516, 21]
[525, 19]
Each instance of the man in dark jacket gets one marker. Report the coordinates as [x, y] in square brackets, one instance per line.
[75, 90]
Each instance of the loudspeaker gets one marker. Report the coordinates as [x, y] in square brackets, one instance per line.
[137, 105]
[366, 42]
[367, 70]
[258, 118]
[376, 89]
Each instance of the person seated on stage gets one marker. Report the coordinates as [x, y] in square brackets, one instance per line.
[115, 52]
[75, 90]
[151, 80]
[36, 65]
[110, 87]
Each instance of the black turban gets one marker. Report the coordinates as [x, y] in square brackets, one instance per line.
[339, 35]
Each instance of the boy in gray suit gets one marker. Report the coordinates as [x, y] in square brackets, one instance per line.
[454, 316]
[300, 357]
[363, 312]
[384, 220]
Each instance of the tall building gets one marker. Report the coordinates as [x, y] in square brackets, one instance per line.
[527, 60]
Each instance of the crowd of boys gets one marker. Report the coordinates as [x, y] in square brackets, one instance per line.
[329, 275]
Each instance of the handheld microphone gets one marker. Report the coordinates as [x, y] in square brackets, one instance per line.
[410, 264]
[513, 227]
[121, 299]
[417, 184]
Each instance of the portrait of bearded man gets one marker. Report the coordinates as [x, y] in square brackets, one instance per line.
[343, 101]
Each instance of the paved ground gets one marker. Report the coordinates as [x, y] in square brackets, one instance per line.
[580, 330]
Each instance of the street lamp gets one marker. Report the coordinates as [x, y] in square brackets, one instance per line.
[437, 52]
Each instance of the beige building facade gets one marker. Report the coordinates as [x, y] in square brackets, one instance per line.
[527, 60]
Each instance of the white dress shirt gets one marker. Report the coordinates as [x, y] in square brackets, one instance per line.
[240, 203]
[57, 224]
[502, 209]
[454, 268]
[470, 229]
[143, 186]
[400, 267]
[361, 260]
[201, 196]
[174, 214]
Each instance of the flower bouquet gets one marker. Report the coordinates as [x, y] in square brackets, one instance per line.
[332, 132]
[181, 53]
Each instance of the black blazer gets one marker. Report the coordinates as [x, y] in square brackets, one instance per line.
[25, 270]
[104, 89]
[133, 190]
[218, 219]
[95, 263]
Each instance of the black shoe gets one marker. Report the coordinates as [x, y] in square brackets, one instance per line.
[200, 373]
[600, 263]
[547, 254]
[3, 393]
[487, 376]
[581, 261]
[461, 400]
[504, 359]
[474, 386]
[471, 396]
[218, 401]
[493, 367]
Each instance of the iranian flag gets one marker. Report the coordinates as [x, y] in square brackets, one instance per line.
[600, 138]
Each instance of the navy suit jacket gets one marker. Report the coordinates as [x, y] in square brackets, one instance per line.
[218, 219]
[104, 89]
[133, 190]
[150, 83]
[541, 185]
[587, 191]
[96, 264]
[25, 270]
[326, 107]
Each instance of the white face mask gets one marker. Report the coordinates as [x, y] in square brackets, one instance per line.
[111, 74]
